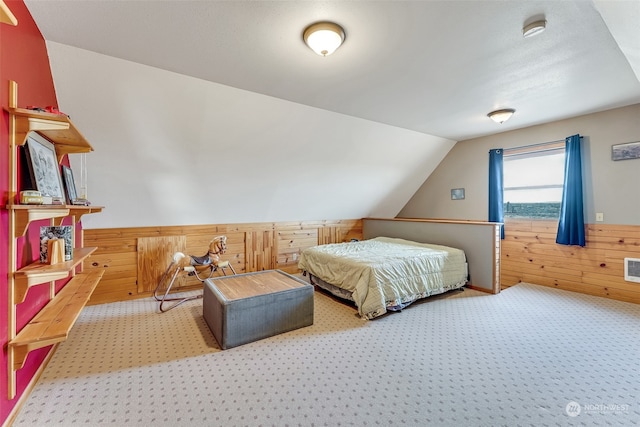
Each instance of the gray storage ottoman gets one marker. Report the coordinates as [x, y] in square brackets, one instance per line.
[247, 307]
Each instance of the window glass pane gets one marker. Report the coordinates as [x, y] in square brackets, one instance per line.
[542, 195]
[532, 171]
[533, 184]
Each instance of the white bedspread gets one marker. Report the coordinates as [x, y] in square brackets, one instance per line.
[386, 271]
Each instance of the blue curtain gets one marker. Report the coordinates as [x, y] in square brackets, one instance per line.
[571, 225]
[496, 213]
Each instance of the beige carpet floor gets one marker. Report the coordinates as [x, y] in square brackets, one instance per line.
[530, 356]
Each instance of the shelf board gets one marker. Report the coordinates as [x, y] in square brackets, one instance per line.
[53, 323]
[24, 214]
[37, 272]
[57, 128]
[6, 17]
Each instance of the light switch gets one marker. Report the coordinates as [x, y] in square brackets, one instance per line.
[599, 216]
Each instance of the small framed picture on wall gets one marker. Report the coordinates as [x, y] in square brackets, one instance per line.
[630, 150]
[457, 193]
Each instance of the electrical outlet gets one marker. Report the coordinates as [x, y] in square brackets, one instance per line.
[599, 216]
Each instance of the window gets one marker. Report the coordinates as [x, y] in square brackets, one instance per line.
[533, 181]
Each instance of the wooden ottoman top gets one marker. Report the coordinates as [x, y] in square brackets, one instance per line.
[252, 284]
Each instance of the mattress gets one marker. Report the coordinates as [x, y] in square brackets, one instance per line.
[386, 272]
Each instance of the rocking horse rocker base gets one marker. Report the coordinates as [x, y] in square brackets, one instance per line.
[182, 264]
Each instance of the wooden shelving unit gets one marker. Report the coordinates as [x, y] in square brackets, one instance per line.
[52, 324]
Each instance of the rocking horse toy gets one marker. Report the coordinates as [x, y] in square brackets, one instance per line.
[192, 265]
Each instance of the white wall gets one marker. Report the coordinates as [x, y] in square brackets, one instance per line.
[610, 187]
[175, 150]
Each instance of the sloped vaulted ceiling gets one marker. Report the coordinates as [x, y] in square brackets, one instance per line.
[422, 75]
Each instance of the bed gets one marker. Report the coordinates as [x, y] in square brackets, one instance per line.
[384, 273]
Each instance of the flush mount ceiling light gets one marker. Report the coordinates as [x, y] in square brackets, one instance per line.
[534, 28]
[323, 37]
[501, 116]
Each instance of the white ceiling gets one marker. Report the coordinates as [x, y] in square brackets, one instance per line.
[436, 67]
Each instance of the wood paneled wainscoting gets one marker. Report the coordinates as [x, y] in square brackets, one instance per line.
[530, 254]
[134, 258]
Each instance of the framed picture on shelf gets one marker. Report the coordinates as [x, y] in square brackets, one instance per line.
[69, 184]
[43, 167]
[64, 232]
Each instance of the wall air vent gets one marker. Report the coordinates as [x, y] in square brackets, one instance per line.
[632, 270]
